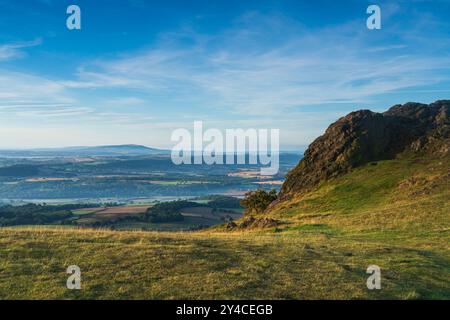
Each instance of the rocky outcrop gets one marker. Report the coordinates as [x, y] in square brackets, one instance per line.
[252, 222]
[365, 136]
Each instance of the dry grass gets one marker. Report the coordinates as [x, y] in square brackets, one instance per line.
[321, 251]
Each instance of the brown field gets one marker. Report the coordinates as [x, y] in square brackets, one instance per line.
[111, 213]
[125, 210]
[207, 213]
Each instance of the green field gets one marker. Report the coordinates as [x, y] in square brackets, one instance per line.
[395, 214]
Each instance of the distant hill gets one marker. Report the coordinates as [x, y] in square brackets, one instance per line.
[112, 150]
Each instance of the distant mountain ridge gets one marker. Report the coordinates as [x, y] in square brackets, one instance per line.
[364, 136]
[85, 151]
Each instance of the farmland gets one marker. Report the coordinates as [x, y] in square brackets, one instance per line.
[200, 213]
[90, 216]
[73, 179]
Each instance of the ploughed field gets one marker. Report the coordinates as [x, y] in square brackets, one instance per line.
[108, 214]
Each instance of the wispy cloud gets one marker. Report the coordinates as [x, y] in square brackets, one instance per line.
[242, 72]
[18, 89]
[43, 110]
[16, 50]
[259, 71]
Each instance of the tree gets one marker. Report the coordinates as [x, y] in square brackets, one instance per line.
[257, 201]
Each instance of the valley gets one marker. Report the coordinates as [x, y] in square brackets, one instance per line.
[362, 195]
[125, 179]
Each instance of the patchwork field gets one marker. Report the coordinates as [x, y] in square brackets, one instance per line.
[111, 214]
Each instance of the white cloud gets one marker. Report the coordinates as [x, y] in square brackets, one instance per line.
[240, 71]
[126, 101]
[261, 72]
[15, 50]
[17, 87]
[43, 110]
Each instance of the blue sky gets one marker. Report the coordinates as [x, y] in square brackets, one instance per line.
[137, 70]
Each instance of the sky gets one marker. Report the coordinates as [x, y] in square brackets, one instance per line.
[137, 70]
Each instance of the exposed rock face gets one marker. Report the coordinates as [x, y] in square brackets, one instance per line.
[365, 136]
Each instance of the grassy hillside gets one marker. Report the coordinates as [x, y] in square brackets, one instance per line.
[395, 214]
[406, 197]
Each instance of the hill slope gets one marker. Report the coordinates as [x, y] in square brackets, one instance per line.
[388, 209]
[365, 136]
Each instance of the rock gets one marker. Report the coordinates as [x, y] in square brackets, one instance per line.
[265, 223]
[231, 225]
[364, 136]
[258, 223]
[247, 222]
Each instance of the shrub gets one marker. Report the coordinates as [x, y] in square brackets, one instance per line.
[257, 201]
